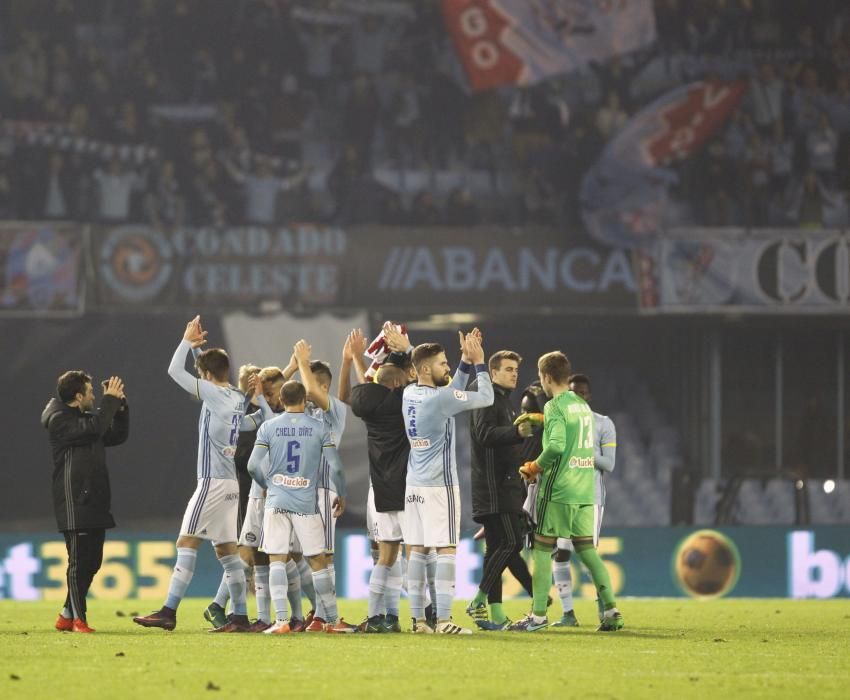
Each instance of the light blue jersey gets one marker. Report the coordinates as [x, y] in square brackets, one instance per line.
[605, 453]
[429, 420]
[334, 420]
[222, 417]
[295, 445]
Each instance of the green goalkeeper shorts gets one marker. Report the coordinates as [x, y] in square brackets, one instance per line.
[566, 520]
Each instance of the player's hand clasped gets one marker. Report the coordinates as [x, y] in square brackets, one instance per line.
[530, 471]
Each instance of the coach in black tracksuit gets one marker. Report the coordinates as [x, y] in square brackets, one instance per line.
[497, 489]
[81, 493]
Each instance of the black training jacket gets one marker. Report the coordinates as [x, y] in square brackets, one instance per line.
[496, 484]
[81, 495]
[380, 408]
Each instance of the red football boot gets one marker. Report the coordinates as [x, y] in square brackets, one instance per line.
[81, 626]
[64, 624]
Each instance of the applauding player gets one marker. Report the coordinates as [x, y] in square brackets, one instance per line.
[432, 497]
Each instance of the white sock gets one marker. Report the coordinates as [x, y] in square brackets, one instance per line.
[564, 583]
[278, 586]
[392, 595]
[326, 593]
[377, 588]
[445, 585]
[261, 591]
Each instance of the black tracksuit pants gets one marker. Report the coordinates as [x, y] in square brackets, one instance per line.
[503, 533]
[85, 555]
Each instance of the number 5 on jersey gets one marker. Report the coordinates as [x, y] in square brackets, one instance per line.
[293, 457]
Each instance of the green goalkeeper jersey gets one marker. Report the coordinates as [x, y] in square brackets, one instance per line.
[567, 457]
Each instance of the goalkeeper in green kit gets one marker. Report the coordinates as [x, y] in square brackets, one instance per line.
[565, 495]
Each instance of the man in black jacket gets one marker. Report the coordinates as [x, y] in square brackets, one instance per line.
[379, 405]
[498, 492]
[81, 495]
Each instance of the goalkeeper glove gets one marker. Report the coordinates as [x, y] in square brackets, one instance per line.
[529, 471]
[533, 418]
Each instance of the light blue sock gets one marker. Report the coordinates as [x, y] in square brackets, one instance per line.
[293, 592]
[377, 589]
[261, 592]
[184, 569]
[278, 585]
[307, 581]
[431, 570]
[392, 595]
[326, 593]
[404, 563]
[445, 585]
[416, 585]
[223, 593]
[234, 572]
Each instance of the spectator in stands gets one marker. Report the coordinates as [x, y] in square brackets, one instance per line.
[60, 195]
[361, 116]
[611, 118]
[261, 189]
[807, 201]
[164, 204]
[8, 208]
[757, 194]
[781, 159]
[821, 150]
[115, 188]
[765, 97]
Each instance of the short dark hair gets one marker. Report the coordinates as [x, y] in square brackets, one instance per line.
[293, 393]
[497, 358]
[424, 352]
[400, 360]
[556, 366]
[319, 368]
[578, 379]
[390, 374]
[271, 374]
[215, 361]
[71, 383]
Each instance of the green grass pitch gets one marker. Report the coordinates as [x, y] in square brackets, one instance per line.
[669, 649]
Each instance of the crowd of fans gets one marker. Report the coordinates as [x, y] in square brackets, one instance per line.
[213, 112]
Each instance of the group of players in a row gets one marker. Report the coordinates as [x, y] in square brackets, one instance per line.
[273, 473]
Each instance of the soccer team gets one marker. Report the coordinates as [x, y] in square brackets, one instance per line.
[285, 433]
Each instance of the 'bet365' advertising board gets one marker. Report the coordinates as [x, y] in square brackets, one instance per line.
[708, 563]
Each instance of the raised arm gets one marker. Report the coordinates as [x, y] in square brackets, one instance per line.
[193, 337]
[303, 351]
[252, 421]
[74, 431]
[119, 430]
[352, 356]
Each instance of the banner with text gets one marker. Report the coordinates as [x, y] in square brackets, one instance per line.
[41, 268]
[309, 267]
[756, 271]
[520, 42]
[775, 562]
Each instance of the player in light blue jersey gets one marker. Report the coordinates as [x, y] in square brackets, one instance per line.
[605, 453]
[432, 497]
[212, 511]
[316, 376]
[287, 460]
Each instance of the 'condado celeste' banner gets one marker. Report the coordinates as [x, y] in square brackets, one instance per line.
[739, 561]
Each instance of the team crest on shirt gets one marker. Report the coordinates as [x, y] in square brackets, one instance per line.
[229, 451]
[459, 395]
[291, 482]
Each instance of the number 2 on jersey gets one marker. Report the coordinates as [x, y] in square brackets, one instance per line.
[293, 457]
[585, 432]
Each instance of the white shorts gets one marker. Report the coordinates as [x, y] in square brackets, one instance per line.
[326, 501]
[252, 526]
[371, 525]
[280, 525]
[388, 526]
[431, 516]
[567, 544]
[212, 511]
